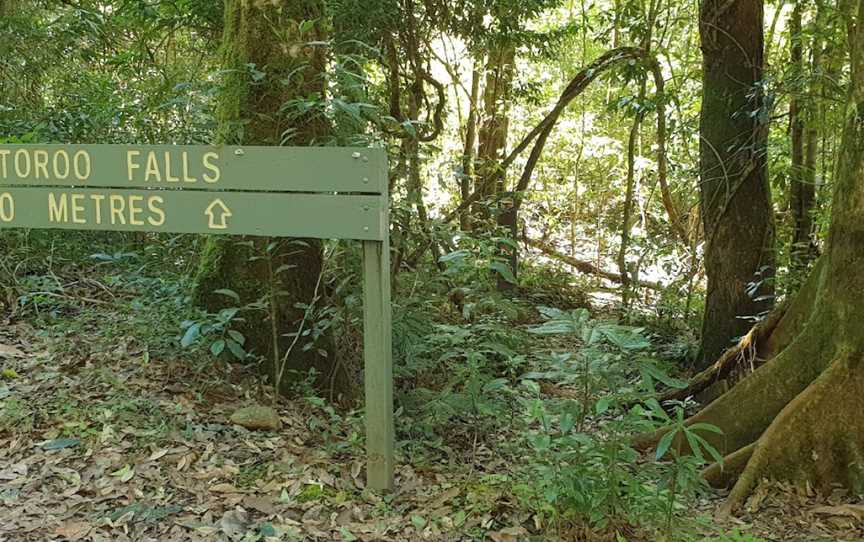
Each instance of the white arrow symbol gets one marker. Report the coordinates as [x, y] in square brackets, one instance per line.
[218, 214]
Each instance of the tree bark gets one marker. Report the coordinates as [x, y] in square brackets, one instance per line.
[798, 418]
[266, 38]
[469, 154]
[629, 202]
[796, 123]
[735, 196]
[500, 71]
[803, 112]
[495, 122]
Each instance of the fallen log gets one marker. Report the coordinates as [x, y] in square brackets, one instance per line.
[587, 268]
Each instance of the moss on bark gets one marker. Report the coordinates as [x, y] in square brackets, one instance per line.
[268, 63]
[802, 446]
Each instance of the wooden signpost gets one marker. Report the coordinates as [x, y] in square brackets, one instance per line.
[318, 192]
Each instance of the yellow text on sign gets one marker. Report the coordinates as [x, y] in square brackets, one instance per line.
[139, 166]
[113, 209]
[168, 167]
[7, 207]
[46, 165]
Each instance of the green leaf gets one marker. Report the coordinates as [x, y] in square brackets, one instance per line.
[624, 337]
[567, 422]
[236, 349]
[226, 315]
[59, 444]
[268, 530]
[191, 335]
[552, 313]
[712, 451]
[532, 386]
[657, 410]
[454, 256]
[602, 405]
[663, 445]
[124, 474]
[507, 242]
[285, 497]
[495, 385]
[553, 327]
[409, 128]
[662, 377]
[534, 375]
[695, 446]
[217, 347]
[307, 26]
[702, 426]
[504, 270]
[237, 336]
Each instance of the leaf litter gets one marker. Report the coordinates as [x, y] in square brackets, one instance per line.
[100, 447]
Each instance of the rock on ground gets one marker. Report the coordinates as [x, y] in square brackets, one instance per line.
[257, 417]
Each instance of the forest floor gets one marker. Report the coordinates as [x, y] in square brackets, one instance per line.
[101, 440]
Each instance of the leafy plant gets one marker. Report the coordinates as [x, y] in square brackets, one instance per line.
[216, 330]
[592, 477]
[478, 259]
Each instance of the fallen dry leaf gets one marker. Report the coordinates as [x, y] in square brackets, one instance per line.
[73, 530]
[10, 351]
[846, 510]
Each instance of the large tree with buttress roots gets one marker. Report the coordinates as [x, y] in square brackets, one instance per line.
[799, 417]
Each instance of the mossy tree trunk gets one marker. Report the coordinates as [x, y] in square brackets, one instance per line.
[799, 416]
[735, 196]
[495, 120]
[268, 62]
[494, 129]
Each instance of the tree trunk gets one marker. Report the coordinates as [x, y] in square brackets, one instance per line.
[492, 146]
[629, 202]
[469, 155]
[804, 138]
[495, 123]
[267, 63]
[796, 119]
[735, 196]
[798, 417]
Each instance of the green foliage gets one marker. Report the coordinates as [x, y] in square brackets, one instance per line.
[478, 260]
[15, 415]
[217, 331]
[572, 463]
[592, 477]
[478, 364]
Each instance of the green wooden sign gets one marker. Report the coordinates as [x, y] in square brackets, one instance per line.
[276, 169]
[327, 193]
[323, 216]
